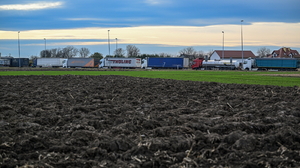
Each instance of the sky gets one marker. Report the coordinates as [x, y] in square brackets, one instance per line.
[153, 26]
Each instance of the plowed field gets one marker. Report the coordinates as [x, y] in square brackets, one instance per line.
[118, 121]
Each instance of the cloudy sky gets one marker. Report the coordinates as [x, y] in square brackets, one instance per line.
[154, 26]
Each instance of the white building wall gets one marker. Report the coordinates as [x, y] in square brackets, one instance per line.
[214, 56]
[239, 60]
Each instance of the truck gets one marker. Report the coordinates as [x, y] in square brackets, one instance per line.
[19, 62]
[278, 64]
[165, 63]
[201, 63]
[48, 62]
[4, 62]
[81, 63]
[130, 63]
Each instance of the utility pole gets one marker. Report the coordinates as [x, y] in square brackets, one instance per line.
[45, 48]
[45, 43]
[223, 47]
[19, 48]
[242, 41]
[108, 44]
[116, 45]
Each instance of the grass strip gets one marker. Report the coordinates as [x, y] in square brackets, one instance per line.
[238, 77]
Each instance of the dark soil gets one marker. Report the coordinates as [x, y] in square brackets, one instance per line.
[118, 121]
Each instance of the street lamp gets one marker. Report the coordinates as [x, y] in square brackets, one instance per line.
[116, 43]
[223, 46]
[45, 43]
[242, 41]
[19, 48]
[45, 48]
[108, 44]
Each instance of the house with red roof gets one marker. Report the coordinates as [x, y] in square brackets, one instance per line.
[284, 52]
[235, 55]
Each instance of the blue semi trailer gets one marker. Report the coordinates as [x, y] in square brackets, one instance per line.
[18, 62]
[165, 63]
[281, 64]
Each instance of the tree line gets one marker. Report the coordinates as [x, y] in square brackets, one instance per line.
[67, 52]
[131, 51]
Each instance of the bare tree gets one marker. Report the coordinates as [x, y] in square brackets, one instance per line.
[200, 54]
[132, 51]
[188, 51]
[69, 52]
[65, 52]
[45, 54]
[263, 52]
[54, 52]
[119, 52]
[74, 51]
[164, 55]
[33, 57]
[84, 52]
[59, 53]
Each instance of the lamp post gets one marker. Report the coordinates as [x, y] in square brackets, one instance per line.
[19, 48]
[108, 44]
[45, 48]
[45, 43]
[116, 45]
[223, 46]
[242, 41]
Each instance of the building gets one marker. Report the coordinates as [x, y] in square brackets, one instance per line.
[235, 55]
[284, 52]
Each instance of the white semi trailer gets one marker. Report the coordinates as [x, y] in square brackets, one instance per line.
[120, 63]
[50, 62]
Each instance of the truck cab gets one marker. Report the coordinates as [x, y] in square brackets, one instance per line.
[101, 65]
[197, 63]
[65, 63]
[248, 64]
[144, 63]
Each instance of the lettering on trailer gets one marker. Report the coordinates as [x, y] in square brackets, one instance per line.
[120, 61]
[74, 62]
[138, 60]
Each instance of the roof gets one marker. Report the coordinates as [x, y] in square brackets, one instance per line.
[285, 52]
[187, 56]
[235, 53]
